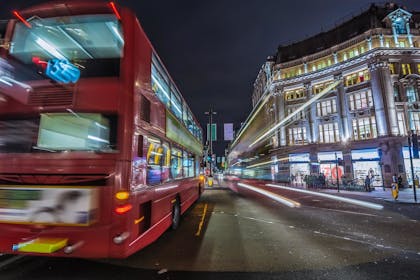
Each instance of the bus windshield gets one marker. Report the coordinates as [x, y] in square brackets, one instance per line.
[56, 132]
[93, 43]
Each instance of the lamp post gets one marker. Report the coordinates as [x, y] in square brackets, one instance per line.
[336, 172]
[210, 113]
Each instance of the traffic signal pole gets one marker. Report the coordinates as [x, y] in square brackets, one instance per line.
[410, 145]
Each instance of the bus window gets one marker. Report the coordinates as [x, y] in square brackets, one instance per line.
[166, 162]
[94, 43]
[176, 163]
[3, 25]
[153, 159]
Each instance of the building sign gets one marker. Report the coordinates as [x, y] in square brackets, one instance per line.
[365, 154]
[228, 131]
[62, 71]
[329, 156]
[304, 157]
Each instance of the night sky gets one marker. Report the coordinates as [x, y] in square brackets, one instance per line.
[214, 49]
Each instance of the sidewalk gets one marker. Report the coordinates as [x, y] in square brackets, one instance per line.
[405, 195]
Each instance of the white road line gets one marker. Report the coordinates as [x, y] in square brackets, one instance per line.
[334, 197]
[274, 196]
[345, 211]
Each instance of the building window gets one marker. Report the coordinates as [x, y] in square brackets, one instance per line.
[318, 88]
[418, 68]
[294, 94]
[397, 96]
[326, 107]
[411, 94]
[415, 121]
[297, 136]
[360, 100]
[299, 116]
[391, 68]
[364, 128]
[406, 69]
[402, 129]
[356, 78]
[328, 133]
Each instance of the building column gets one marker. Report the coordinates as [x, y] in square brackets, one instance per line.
[281, 115]
[313, 120]
[410, 37]
[342, 110]
[383, 98]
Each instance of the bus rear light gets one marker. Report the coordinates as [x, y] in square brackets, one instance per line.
[114, 9]
[16, 13]
[123, 209]
[122, 195]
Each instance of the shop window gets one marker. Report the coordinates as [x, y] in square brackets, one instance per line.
[360, 100]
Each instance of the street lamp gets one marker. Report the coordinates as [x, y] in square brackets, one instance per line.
[210, 113]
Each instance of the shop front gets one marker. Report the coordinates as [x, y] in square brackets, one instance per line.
[329, 167]
[299, 167]
[407, 166]
[366, 164]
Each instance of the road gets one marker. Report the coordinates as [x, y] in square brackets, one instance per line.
[232, 232]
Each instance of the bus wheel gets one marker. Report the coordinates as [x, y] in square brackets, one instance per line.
[176, 214]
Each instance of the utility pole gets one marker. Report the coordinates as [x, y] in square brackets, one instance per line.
[210, 113]
[336, 172]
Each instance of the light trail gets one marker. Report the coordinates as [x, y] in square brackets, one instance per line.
[334, 197]
[274, 196]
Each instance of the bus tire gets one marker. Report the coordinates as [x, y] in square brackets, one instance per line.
[176, 214]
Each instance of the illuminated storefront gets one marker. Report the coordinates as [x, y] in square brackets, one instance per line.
[407, 165]
[366, 163]
[329, 167]
[299, 167]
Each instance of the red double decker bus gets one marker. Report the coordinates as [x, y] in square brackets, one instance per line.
[99, 152]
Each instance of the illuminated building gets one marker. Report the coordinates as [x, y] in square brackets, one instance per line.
[364, 120]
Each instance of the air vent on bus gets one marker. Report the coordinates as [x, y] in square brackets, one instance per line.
[48, 179]
[51, 96]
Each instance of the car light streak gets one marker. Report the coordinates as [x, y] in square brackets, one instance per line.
[274, 196]
[301, 108]
[334, 197]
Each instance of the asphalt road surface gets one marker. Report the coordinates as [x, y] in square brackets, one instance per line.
[233, 232]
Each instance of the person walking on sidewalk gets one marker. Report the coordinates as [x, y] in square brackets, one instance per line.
[367, 183]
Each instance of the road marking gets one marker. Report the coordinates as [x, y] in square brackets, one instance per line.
[200, 225]
[274, 196]
[11, 260]
[345, 211]
[258, 220]
[334, 197]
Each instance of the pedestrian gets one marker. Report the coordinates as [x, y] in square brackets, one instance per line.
[399, 182]
[367, 183]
